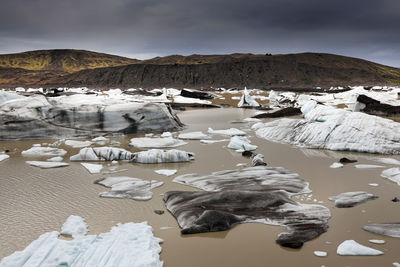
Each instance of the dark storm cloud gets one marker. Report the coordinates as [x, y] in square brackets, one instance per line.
[143, 28]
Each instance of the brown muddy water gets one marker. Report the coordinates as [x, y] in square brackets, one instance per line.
[34, 201]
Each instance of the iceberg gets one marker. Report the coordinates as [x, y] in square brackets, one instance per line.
[162, 156]
[326, 127]
[231, 132]
[162, 142]
[256, 194]
[247, 101]
[78, 144]
[166, 172]
[3, 157]
[387, 229]
[258, 160]
[47, 164]
[193, 136]
[128, 244]
[240, 144]
[102, 154]
[43, 151]
[336, 165]
[393, 174]
[320, 253]
[92, 168]
[74, 226]
[367, 166]
[128, 187]
[352, 248]
[204, 141]
[81, 115]
[388, 161]
[351, 199]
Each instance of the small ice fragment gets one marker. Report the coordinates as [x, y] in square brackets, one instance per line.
[74, 226]
[78, 144]
[367, 166]
[320, 253]
[3, 157]
[47, 164]
[92, 168]
[166, 134]
[373, 184]
[352, 248]
[336, 165]
[377, 241]
[193, 136]
[166, 172]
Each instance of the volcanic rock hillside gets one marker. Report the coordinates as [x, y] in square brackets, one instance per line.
[305, 70]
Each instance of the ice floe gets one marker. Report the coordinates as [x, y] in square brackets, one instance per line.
[326, 127]
[78, 144]
[92, 168]
[101, 154]
[128, 187]
[166, 134]
[166, 172]
[256, 194]
[240, 144]
[247, 100]
[47, 164]
[162, 156]
[3, 157]
[162, 142]
[44, 151]
[377, 241]
[352, 248]
[320, 253]
[392, 174]
[388, 161]
[258, 160]
[193, 136]
[351, 199]
[231, 132]
[74, 226]
[387, 229]
[56, 159]
[213, 141]
[128, 244]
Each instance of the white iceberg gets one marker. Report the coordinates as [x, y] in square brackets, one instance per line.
[44, 151]
[392, 174]
[47, 164]
[351, 199]
[367, 166]
[101, 154]
[162, 156]
[320, 253]
[78, 144]
[240, 144]
[8, 95]
[3, 157]
[377, 241]
[336, 165]
[213, 141]
[166, 134]
[352, 248]
[247, 100]
[93, 168]
[74, 226]
[128, 187]
[162, 142]
[166, 172]
[335, 129]
[100, 139]
[388, 161]
[128, 244]
[193, 136]
[231, 132]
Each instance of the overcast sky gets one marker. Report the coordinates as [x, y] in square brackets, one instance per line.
[368, 29]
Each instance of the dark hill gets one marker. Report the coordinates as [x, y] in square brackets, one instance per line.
[62, 60]
[304, 70]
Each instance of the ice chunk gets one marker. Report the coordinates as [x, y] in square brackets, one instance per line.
[128, 187]
[320, 253]
[241, 144]
[212, 141]
[156, 142]
[100, 139]
[258, 160]
[129, 244]
[78, 144]
[367, 166]
[388, 229]
[373, 184]
[377, 241]
[352, 248]
[47, 164]
[93, 168]
[3, 157]
[193, 136]
[388, 161]
[392, 174]
[44, 151]
[351, 199]
[162, 156]
[166, 134]
[247, 100]
[55, 159]
[336, 165]
[74, 226]
[101, 154]
[231, 132]
[166, 172]
[326, 127]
